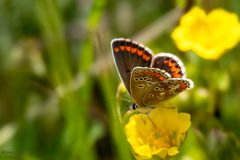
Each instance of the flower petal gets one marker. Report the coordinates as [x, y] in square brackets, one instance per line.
[164, 117]
[208, 35]
[173, 151]
[144, 151]
[184, 120]
[158, 133]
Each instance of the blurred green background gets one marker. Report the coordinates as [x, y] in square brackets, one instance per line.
[58, 80]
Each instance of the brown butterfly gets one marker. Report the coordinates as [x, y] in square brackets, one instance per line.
[149, 79]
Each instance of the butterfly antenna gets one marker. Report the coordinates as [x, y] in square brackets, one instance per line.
[123, 99]
[127, 100]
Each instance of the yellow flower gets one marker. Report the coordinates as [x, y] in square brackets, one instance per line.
[209, 35]
[157, 134]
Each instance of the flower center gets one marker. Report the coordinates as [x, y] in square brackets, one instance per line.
[162, 138]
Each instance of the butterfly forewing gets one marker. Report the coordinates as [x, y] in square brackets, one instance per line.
[170, 63]
[128, 55]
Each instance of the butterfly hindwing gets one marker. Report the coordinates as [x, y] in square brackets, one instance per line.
[170, 63]
[151, 86]
[128, 55]
[164, 90]
[142, 80]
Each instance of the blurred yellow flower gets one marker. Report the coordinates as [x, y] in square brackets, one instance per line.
[209, 35]
[157, 134]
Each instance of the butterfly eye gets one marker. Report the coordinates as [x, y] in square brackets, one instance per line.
[134, 106]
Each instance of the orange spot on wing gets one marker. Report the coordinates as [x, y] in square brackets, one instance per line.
[169, 63]
[146, 57]
[122, 48]
[162, 78]
[183, 86]
[175, 72]
[176, 75]
[166, 62]
[174, 69]
[116, 49]
[149, 73]
[128, 48]
[157, 75]
[139, 52]
[133, 50]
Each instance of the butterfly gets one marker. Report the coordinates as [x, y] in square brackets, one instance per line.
[149, 79]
